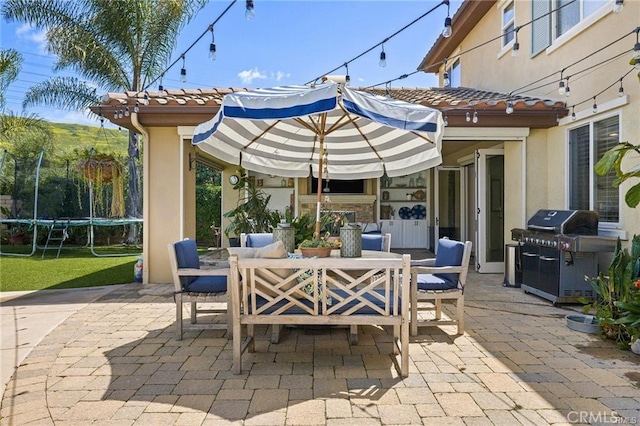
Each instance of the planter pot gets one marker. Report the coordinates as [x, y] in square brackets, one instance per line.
[234, 241]
[316, 251]
[583, 323]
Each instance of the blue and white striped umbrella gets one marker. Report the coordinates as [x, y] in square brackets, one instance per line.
[331, 130]
[283, 130]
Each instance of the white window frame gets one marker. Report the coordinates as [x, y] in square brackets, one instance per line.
[506, 25]
[454, 65]
[554, 40]
[590, 121]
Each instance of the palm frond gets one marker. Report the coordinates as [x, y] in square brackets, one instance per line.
[62, 92]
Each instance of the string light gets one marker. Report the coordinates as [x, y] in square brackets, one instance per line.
[618, 6]
[621, 89]
[567, 89]
[445, 78]
[384, 41]
[212, 46]
[115, 114]
[447, 31]
[136, 108]
[160, 86]
[126, 111]
[595, 105]
[509, 109]
[224, 12]
[467, 117]
[346, 66]
[446, 121]
[383, 58]
[573, 113]
[561, 88]
[516, 45]
[475, 117]
[183, 72]
[249, 13]
[120, 113]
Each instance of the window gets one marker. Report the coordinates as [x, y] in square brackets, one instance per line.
[588, 191]
[564, 14]
[454, 74]
[508, 24]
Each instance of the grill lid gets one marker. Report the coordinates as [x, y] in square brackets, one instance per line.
[578, 222]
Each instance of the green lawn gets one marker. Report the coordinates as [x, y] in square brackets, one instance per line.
[75, 268]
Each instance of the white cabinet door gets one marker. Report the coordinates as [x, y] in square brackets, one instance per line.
[394, 227]
[414, 234]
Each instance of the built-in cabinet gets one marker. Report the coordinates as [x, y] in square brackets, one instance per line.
[280, 188]
[403, 209]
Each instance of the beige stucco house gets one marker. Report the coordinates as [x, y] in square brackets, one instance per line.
[499, 167]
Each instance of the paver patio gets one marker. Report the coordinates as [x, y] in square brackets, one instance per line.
[116, 361]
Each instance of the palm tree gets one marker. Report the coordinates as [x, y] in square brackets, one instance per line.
[114, 44]
[10, 64]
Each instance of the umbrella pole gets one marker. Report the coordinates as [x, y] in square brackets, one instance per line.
[320, 165]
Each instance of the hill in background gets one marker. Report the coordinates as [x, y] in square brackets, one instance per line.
[70, 136]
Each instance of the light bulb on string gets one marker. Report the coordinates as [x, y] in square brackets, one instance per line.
[383, 58]
[446, 121]
[567, 89]
[145, 98]
[447, 31]
[618, 6]
[573, 113]
[467, 117]
[249, 13]
[136, 108]
[212, 46]
[595, 105]
[160, 86]
[509, 109]
[115, 114]
[516, 45]
[475, 117]
[120, 113]
[183, 72]
[347, 78]
[445, 79]
[126, 111]
[621, 89]
[561, 89]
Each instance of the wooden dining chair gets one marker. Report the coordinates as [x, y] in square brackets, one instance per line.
[437, 279]
[194, 285]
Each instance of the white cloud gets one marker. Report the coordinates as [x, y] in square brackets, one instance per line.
[279, 75]
[39, 37]
[248, 76]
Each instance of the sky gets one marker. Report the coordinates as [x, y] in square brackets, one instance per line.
[287, 42]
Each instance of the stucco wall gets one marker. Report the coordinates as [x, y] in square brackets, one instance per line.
[162, 205]
[546, 184]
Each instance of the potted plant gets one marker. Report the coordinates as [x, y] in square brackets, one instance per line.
[252, 214]
[318, 247]
[615, 294]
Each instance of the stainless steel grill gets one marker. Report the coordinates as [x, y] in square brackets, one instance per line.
[559, 248]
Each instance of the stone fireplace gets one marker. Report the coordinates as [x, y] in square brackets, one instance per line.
[362, 206]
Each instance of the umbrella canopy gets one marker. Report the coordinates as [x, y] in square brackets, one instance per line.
[330, 129]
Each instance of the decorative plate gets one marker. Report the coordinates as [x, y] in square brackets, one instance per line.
[419, 211]
[405, 213]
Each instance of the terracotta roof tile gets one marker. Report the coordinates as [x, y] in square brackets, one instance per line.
[447, 98]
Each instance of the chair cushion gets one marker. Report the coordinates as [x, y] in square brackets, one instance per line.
[449, 254]
[187, 257]
[372, 242]
[242, 252]
[208, 284]
[435, 282]
[259, 239]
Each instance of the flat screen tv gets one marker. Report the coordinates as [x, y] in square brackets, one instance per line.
[339, 186]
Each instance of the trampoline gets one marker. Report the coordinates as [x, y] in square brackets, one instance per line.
[63, 224]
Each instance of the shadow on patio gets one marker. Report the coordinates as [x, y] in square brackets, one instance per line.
[118, 360]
